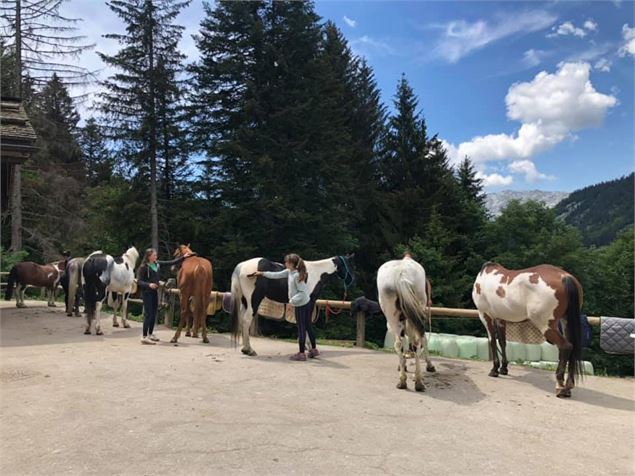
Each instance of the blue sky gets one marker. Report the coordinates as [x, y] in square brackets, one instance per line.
[539, 95]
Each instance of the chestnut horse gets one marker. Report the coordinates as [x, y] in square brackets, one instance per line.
[194, 280]
[30, 273]
[547, 296]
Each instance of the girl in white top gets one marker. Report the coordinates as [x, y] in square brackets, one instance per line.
[299, 299]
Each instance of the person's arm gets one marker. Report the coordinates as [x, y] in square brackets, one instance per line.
[276, 274]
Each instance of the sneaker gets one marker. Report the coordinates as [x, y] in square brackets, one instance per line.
[299, 357]
[313, 353]
[153, 338]
[146, 341]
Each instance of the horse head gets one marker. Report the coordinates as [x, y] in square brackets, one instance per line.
[344, 268]
[182, 251]
[131, 256]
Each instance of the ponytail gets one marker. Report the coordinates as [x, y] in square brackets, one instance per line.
[299, 265]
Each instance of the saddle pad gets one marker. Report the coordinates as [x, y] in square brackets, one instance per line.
[524, 332]
[227, 302]
[272, 309]
[615, 335]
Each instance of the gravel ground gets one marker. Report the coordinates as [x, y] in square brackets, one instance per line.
[76, 404]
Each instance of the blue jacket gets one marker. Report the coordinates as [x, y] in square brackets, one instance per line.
[298, 290]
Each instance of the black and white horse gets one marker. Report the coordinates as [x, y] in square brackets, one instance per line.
[247, 293]
[72, 283]
[102, 276]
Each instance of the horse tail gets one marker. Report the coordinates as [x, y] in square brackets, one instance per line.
[574, 325]
[201, 296]
[409, 304]
[237, 297]
[13, 279]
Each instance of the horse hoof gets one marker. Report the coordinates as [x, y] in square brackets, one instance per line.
[69, 314]
[188, 334]
[126, 326]
[493, 373]
[52, 305]
[115, 324]
[431, 369]
[402, 386]
[503, 371]
[173, 341]
[205, 340]
[99, 333]
[87, 333]
[77, 314]
[420, 387]
[563, 393]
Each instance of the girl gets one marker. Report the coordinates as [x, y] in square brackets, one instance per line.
[299, 299]
[148, 281]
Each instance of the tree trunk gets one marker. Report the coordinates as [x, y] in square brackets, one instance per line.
[154, 214]
[16, 182]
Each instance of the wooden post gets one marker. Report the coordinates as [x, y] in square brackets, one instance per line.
[169, 315]
[361, 330]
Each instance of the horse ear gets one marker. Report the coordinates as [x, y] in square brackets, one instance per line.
[188, 245]
[350, 256]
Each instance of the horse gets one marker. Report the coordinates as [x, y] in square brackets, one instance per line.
[247, 293]
[194, 280]
[404, 300]
[545, 295]
[71, 281]
[29, 273]
[104, 276]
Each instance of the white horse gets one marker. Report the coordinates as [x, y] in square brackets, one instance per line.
[403, 298]
[247, 293]
[104, 276]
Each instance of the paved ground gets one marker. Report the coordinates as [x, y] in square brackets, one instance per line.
[76, 404]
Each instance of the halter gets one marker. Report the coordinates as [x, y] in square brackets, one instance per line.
[348, 280]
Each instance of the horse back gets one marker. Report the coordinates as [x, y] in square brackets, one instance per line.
[195, 274]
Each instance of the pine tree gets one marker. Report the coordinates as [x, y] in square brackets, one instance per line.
[98, 160]
[470, 184]
[53, 177]
[136, 98]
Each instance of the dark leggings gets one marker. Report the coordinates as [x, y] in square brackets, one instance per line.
[303, 320]
[150, 307]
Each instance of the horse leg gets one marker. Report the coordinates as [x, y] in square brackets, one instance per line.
[189, 321]
[19, 296]
[491, 331]
[89, 320]
[185, 312]
[51, 299]
[429, 365]
[124, 311]
[403, 377]
[115, 307]
[501, 330]
[553, 336]
[419, 387]
[248, 315]
[98, 331]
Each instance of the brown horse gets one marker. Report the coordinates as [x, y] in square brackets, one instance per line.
[546, 296]
[194, 281]
[29, 273]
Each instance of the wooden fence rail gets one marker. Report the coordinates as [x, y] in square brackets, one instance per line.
[437, 312]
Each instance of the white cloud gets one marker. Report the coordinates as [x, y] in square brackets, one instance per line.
[528, 169]
[533, 57]
[461, 38]
[603, 65]
[350, 22]
[568, 28]
[628, 47]
[494, 180]
[590, 25]
[367, 46]
[550, 108]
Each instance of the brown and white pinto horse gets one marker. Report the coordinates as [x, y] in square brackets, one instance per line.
[545, 295]
[33, 274]
[194, 280]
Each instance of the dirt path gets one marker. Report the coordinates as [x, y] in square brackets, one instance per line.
[76, 404]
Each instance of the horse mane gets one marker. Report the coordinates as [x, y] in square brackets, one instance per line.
[489, 263]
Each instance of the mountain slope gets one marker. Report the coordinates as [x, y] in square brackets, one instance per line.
[495, 202]
[600, 211]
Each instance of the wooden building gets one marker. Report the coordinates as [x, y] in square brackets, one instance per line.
[17, 143]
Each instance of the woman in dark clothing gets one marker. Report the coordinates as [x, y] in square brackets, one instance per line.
[148, 281]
